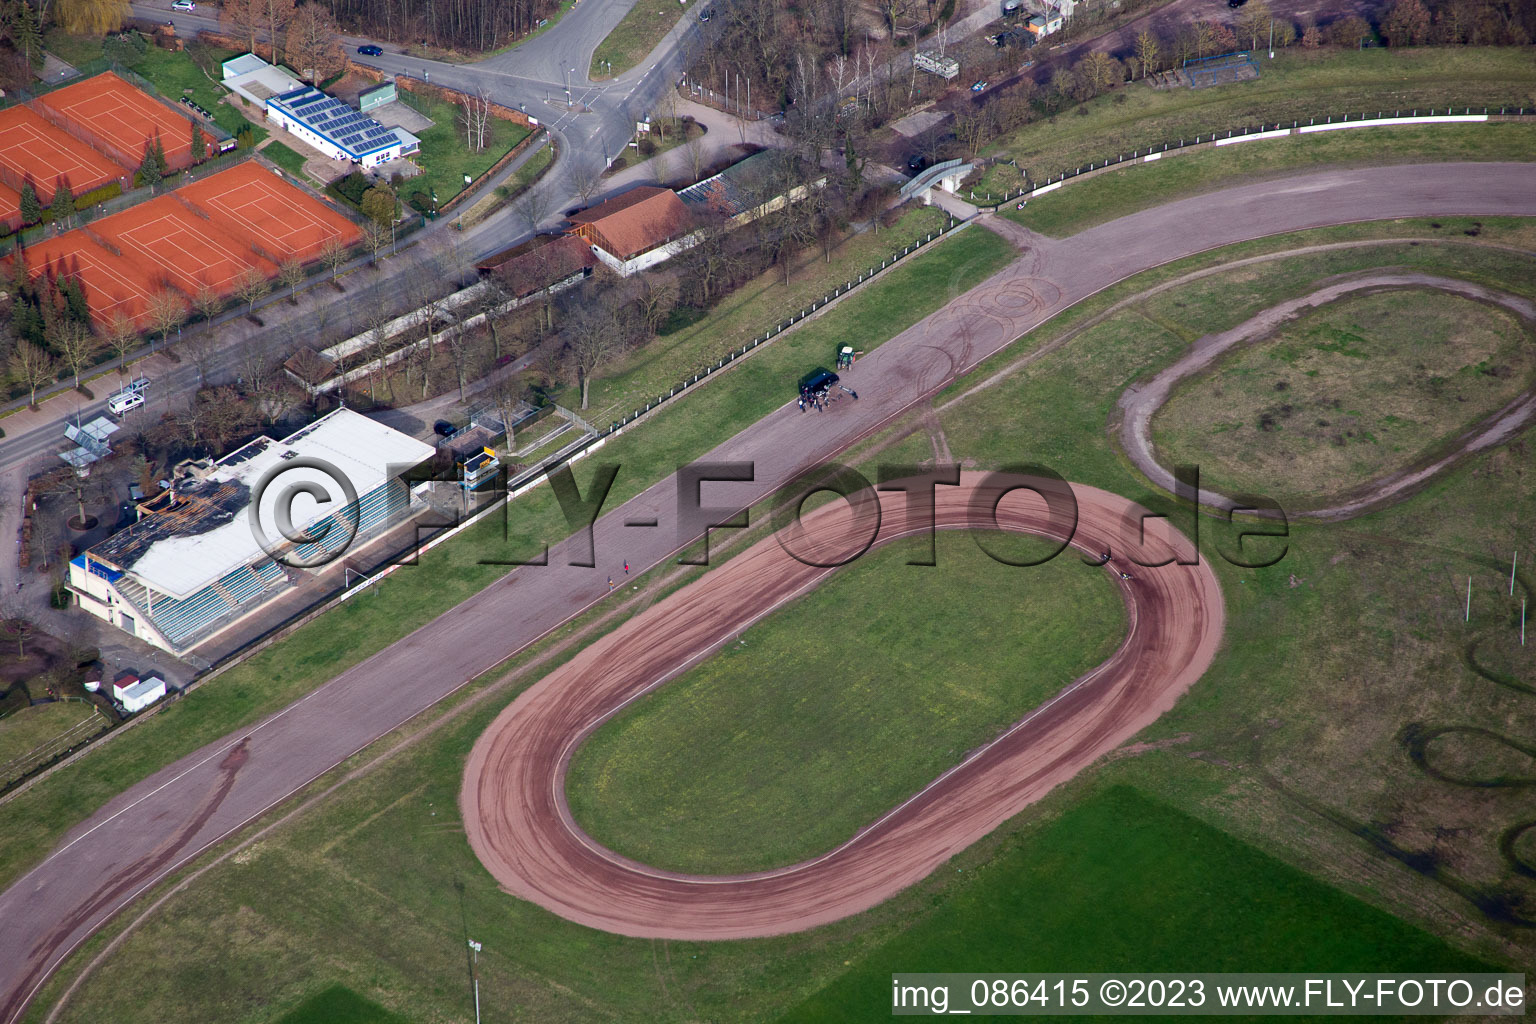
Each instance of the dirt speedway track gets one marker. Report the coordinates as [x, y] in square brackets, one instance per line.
[513, 798]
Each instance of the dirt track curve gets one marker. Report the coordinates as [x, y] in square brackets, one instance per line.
[513, 798]
[157, 825]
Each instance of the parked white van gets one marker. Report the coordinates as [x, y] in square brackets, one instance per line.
[125, 401]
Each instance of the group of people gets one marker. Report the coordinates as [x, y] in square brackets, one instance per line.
[820, 398]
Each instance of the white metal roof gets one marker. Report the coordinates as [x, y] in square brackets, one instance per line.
[260, 84]
[365, 451]
[143, 688]
[243, 65]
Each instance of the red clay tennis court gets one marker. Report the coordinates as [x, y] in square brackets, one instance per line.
[32, 148]
[249, 200]
[10, 208]
[116, 118]
[176, 247]
[113, 284]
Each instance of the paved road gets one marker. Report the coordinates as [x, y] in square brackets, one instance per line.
[160, 824]
[513, 798]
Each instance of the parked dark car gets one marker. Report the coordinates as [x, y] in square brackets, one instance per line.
[444, 429]
[370, 50]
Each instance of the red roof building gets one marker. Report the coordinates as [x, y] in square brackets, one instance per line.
[635, 230]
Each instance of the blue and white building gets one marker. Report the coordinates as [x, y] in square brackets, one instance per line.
[335, 129]
[193, 565]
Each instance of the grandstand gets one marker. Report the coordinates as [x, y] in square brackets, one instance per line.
[193, 563]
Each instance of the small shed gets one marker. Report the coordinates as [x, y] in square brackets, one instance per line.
[136, 694]
[376, 96]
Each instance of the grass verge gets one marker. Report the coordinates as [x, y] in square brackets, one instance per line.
[635, 36]
[838, 707]
[1137, 186]
[750, 310]
[25, 733]
[288, 159]
[1297, 84]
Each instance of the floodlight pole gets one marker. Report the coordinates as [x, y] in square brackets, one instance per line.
[475, 973]
[1513, 562]
[1271, 38]
[1468, 616]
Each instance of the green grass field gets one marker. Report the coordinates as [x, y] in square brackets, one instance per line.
[1122, 882]
[288, 159]
[1346, 394]
[1138, 186]
[1293, 744]
[175, 74]
[30, 733]
[445, 156]
[33, 821]
[340, 1005]
[635, 36]
[786, 744]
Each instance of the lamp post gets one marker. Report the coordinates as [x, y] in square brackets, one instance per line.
[475, 974]
[568, 87]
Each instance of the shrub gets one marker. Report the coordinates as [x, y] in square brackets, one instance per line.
[111, 190]
[352, 187]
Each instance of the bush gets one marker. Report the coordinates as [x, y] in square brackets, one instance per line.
[352, 187]
[111, 190]
[420, 202]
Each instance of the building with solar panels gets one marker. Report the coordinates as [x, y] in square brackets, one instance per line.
[335, 129]
[193, 564]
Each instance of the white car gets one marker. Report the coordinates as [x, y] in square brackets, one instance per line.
[184, 5]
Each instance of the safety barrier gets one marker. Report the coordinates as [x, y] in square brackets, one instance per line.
[1150, 154]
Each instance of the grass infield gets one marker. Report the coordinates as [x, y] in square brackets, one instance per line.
[1346, 394]
[840, 706]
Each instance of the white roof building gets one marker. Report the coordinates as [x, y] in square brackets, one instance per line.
[203, 549]
[256, 80]
[136, 694]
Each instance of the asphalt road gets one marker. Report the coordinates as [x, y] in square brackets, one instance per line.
[160, 824]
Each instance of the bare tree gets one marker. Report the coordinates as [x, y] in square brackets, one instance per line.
[250, 286]
[122, 336]
[591, 343]
[208, 303]
[33, 367]
[533, 208]
[78, 344]
[167, 312]
[585, 180]
[291, 271]
[693, 151]
[202, 345]
[1146, 50]
[333, 254]
[314, 43]
[376, 236]
[475, 118]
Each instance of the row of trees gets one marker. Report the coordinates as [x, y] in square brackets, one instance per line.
[312, 30]
[309, 35]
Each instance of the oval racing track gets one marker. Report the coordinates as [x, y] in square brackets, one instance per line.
[513, 797]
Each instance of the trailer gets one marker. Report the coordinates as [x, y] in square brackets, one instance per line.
[944, 67]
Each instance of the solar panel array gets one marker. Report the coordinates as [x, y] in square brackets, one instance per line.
[332, 118]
